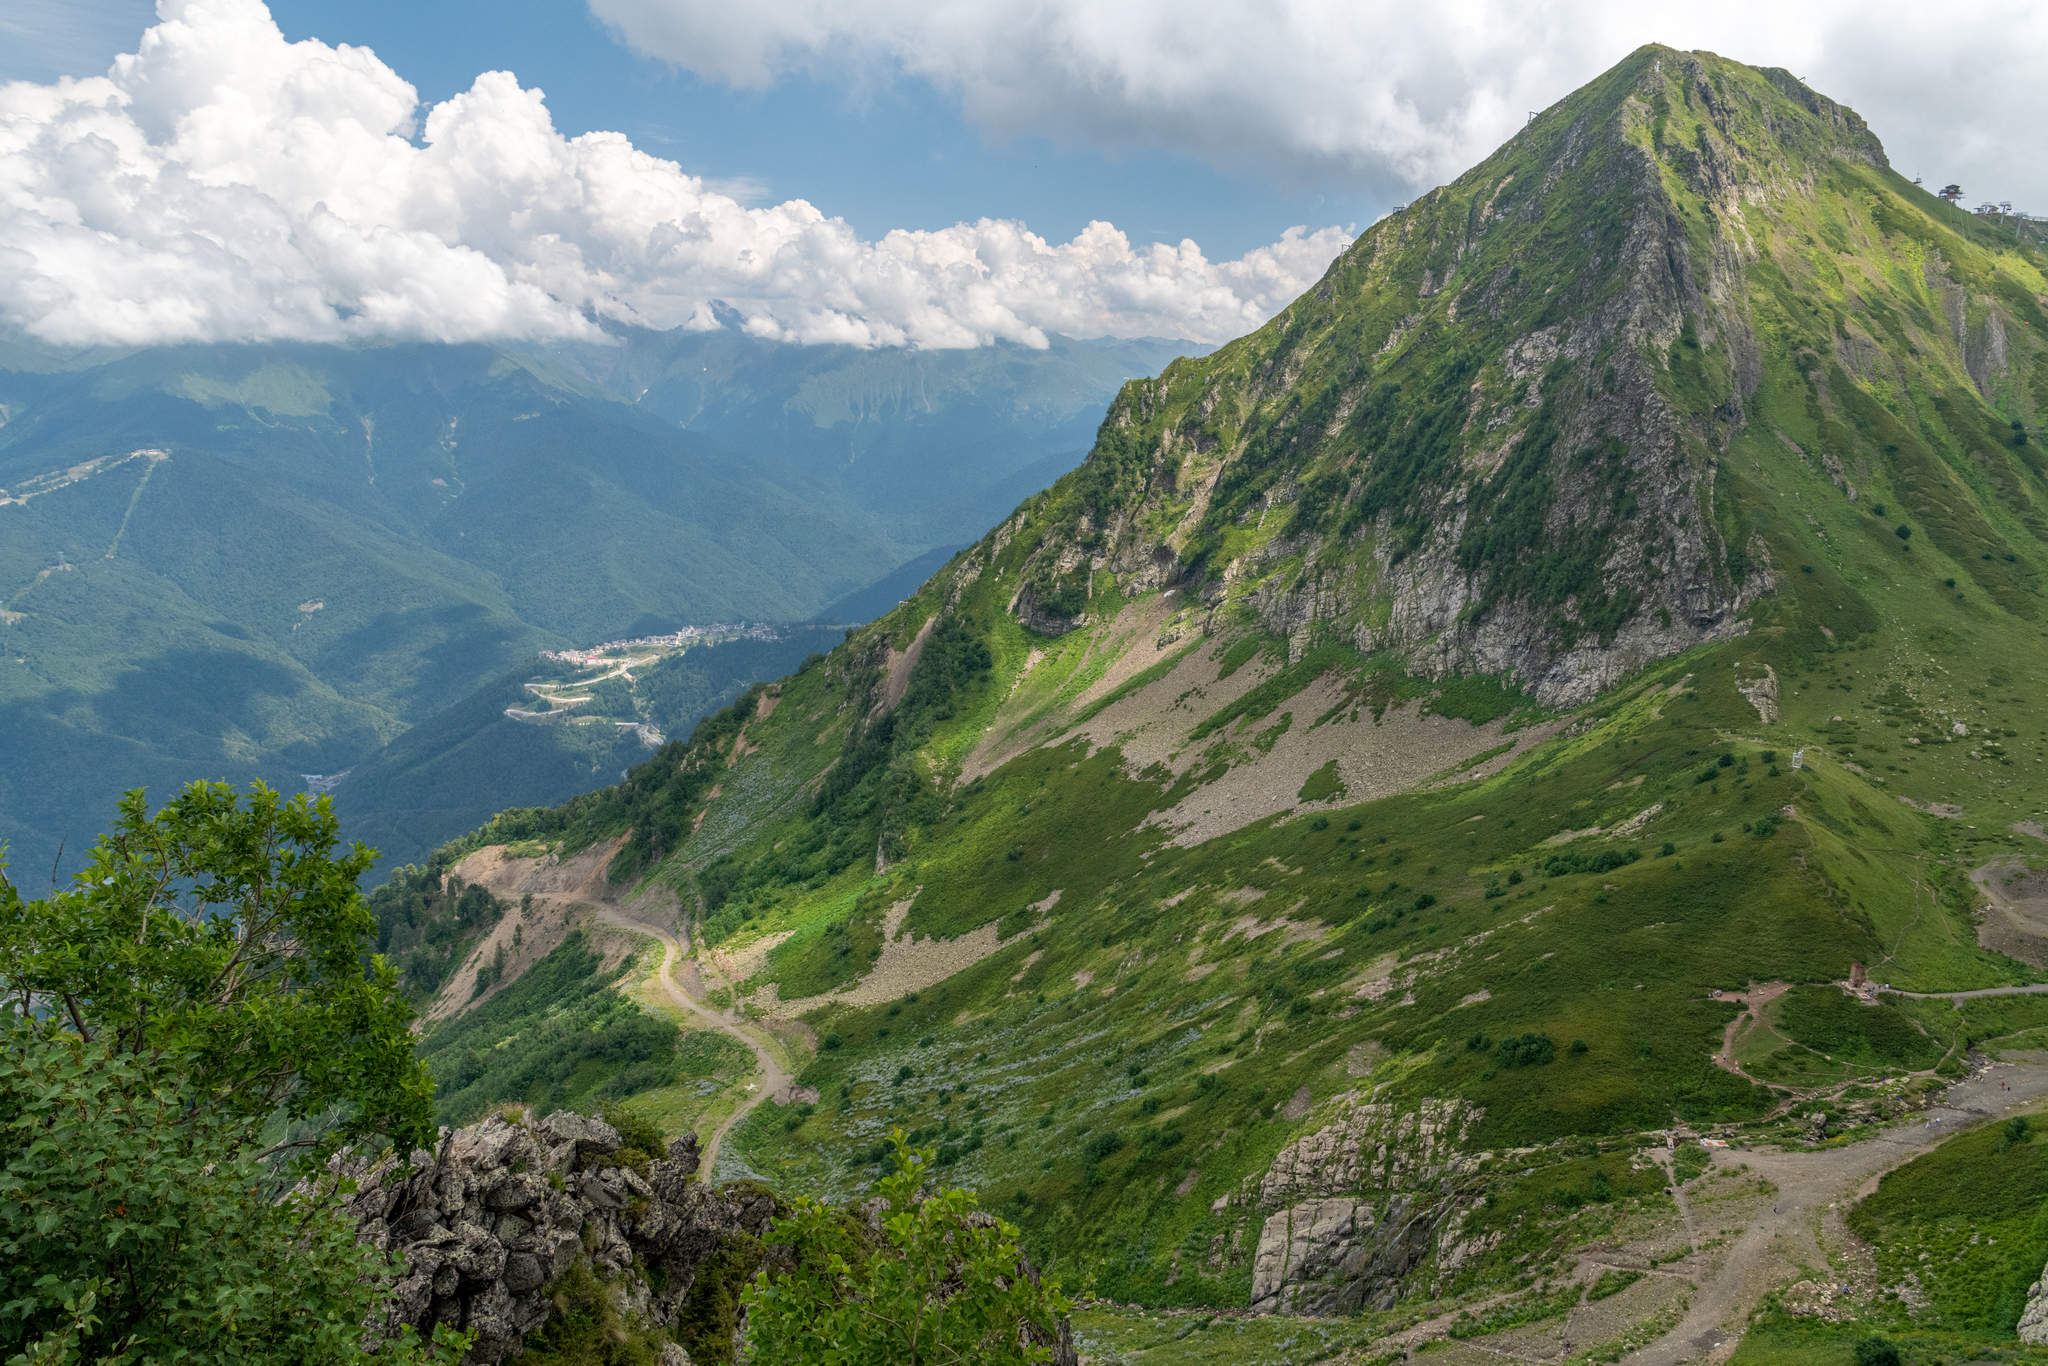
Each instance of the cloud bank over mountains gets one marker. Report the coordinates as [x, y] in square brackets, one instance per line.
[1397, 96]
[222, 184]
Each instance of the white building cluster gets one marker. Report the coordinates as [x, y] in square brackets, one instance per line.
[680, 640]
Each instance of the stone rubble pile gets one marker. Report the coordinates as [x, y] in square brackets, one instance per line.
[505, 1209]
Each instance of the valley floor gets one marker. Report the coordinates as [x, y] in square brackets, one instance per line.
[559, 895]
[775, 1078]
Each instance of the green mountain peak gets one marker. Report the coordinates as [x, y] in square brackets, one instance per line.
[1491, 438]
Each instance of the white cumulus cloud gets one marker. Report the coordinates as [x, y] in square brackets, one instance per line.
[1386, 94]
[221, 183]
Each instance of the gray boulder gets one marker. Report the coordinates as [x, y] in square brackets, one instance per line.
[2033, 1326]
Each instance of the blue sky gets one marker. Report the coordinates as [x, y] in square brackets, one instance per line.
[882, 155]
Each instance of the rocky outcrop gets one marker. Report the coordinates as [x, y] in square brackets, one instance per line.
[1040, 617]
[2034, 1319]
[1357, 1206]
[504, 1210]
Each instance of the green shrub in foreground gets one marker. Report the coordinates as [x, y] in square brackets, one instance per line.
[170, 1244]
[204, 978]
[942, 1285]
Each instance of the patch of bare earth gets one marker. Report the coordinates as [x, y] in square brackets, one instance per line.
[1946, 810]
[907, 964]
[764, 707]
[1400, 750]
[1140, 637]
[2015, 919]
[1033, 713]
[737, 964]
[901, 663]
[1152, 724]
[565, 895]
[1764, 1237]
[1152, 727]
[1291, 931]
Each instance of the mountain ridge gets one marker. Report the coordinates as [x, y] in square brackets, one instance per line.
[1402, 289]
[1434, 748]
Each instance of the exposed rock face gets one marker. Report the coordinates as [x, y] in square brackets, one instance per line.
[1762, 693]
[504, 1210]
[1358, 1205]
[2034, 1321]
[1040, 618]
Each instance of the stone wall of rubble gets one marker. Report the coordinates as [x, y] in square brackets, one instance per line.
[505, 1208]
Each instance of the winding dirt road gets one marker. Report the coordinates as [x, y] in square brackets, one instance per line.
[1753, 1001]
[775, 1078]
[2036, 989]
[1809, 1183]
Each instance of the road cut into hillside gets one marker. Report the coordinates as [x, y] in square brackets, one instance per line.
[1801, 1231]
[776, 1079]
[552, 896]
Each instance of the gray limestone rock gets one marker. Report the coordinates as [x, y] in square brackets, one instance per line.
[523, 1273]
[504, 1209]
[589, 1135]
[1355, 1207]
[2034, 1320]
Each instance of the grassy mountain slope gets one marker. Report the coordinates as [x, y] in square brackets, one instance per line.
[1364, 779]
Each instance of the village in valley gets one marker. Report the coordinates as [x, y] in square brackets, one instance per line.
[595, 686]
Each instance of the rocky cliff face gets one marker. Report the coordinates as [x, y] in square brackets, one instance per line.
[1354, 1209]
[2033, 1325]
[503, 1211]
[1490, 440]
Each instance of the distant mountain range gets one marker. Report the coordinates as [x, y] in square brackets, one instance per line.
[935, 446]
[273, 560]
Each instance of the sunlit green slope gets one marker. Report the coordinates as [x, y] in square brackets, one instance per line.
[1615, 583]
